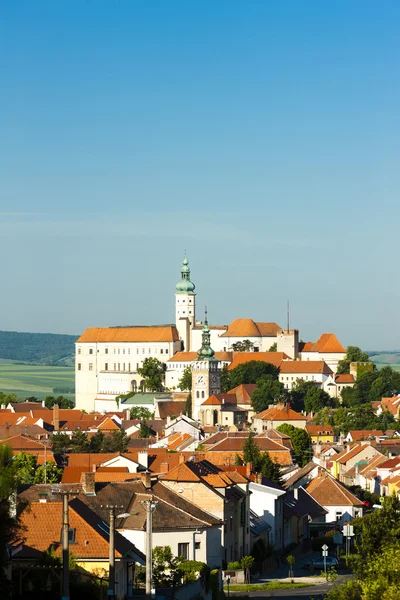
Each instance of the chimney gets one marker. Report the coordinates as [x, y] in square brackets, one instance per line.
[181, 459]
[42, 498]
[249, 467]
[143, 458]
[43, 404]
[146, 478]
[56, 417]
[164, 467]
[3, 406]
[94, 468]
[87, 483]
[128, 414]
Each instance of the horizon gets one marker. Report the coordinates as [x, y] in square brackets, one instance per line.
[262, 137]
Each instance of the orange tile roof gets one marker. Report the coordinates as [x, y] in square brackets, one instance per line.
[108, 425]
[306, 346]
[329, 492]
[279, 413]
[319, 429]
[212, 401]
[243, 393]
[180, 473]
[88, 460]
[344, 378]
[248, 328]
[344, 457]
[391, 405]
[365, 434]
[327, 343]
[305, 366]
[108, 476]
[156, 333]
[21, 442]
[181, 439]
[274, 358]
[41, 523]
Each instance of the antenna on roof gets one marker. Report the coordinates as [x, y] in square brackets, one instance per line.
[288, 316]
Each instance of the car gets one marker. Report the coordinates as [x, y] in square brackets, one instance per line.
[319, 563]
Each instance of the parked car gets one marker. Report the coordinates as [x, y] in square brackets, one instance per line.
[318, 563]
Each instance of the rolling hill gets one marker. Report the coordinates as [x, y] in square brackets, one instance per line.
[39, 348]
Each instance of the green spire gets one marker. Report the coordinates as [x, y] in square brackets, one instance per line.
[185, 286]
[206, 352]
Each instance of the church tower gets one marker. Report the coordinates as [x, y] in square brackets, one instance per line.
[185, 306]
[206, 375]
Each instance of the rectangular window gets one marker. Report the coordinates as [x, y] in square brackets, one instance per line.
[123, 351]
[79, 366]
[166, 352]
[115, 366]
[90, 350]
[183, 550]
[79, 350]
[197, 545]
[106, 351]
[106, 367]
[161, 351]
[137, 350]
[129, 367]
[143, 350]
[149, 350]
[71, 535]
[129, 350]
[90, 366]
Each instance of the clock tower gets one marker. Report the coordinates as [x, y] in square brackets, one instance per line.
[206, 375]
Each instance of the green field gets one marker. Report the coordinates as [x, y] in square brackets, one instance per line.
[34, 380]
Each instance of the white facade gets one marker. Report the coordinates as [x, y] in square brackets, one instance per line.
[267, 503]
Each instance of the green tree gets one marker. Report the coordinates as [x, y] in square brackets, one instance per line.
[188, 405]
[166, 567]
[273, 347]
[140, 412]
[79, 441]
[62, 402]
[316, 398]
[246, 563]
[225, 379]
[251, 450]
[51, 473]
[270, 468]
[117, 441]
[301, 442]
[351, 590]
[60, 442]
[96, 442]
[268, 391]
[185, 382]
[8, 525]
[353, 354]
[251, 372]
[24, 467]
[153, 373]
[144, 431]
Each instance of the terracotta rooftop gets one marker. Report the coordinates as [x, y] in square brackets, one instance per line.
[328, 343]
[279, 413]
[247, 328]
[180, 473]
[156, 333]
[344, 378]
[274, 358]
[348, 454]
[212, 401]
[243, 393]
[327, 491]
[319, 429]
[365, 434]
[305, 366]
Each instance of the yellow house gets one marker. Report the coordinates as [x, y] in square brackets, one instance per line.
[320, 433]
[88, 541]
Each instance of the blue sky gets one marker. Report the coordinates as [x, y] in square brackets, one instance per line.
[262, 137]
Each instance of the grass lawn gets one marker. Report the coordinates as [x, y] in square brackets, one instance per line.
[34, 380]
[270, 585]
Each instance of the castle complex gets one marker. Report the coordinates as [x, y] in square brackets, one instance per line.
[108, 358]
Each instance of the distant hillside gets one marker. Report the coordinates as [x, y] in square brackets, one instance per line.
[39, 348]
[385, 357]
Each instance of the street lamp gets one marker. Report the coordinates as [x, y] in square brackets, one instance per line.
[111, 555]
[228, 580]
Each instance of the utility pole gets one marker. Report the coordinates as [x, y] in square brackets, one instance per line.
[65, 494]
[150, 508]
[111, 555]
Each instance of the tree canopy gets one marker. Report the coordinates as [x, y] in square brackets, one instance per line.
[245, 346]
[268, 391]
[301, 442]
[153, 373]
[353, 354]
[306, 395]
[251, 372]
[185, 382]
[261, 461]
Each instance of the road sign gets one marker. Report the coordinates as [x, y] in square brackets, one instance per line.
[324, 552]
[348, 530]
[325, 547]
[338, 539]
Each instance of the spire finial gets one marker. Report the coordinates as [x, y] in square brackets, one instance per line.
[205, 316]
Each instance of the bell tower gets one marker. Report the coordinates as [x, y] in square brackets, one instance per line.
[185, 306]
[206, 375]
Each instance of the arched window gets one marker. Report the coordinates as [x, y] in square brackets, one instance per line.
[202, 394]
[134, 385]
[142, 386]
[197, 394]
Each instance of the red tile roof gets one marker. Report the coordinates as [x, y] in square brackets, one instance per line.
[327, 344]
[156, 333]
[329, 492]
[274, 358]
[305, 366]
[279, 413]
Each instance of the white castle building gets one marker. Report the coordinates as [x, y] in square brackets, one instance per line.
[108, 358]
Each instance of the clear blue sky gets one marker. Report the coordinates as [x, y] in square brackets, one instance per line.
[261, 136]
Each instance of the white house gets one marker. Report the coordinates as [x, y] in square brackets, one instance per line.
[308, 370]
[340, 504]
[267, 501]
